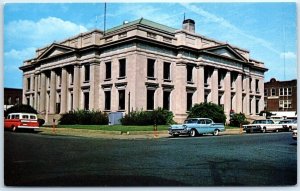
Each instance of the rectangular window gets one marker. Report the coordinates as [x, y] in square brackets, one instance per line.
[281, 91]
[150, 68]
[122, 68]
[189, 101]
[86, 98]
[107, 70]
[289, 91]
[71, 101]
[87, 73]
[166, 100]
[107, 100]
[28, 84]
[150, 99]
[273, 92]
[257, 86]
[121, 99]
[58, 78]
[189, 76]
[167, 66]
[266, 92]
[285, 104]
[71, 75]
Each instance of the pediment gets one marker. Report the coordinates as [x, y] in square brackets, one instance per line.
[225, 51]
[54, 50]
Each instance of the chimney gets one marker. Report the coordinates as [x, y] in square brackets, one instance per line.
[189, 25]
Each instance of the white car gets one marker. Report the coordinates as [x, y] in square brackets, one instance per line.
[294, 134]
[288, 124]
[263, 125]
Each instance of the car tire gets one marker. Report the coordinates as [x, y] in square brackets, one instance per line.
[216, 132]
[290, 129]
[264, 130]
[193, 133]
[175, 135]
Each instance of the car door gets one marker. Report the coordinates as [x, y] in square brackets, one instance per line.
[209, 126]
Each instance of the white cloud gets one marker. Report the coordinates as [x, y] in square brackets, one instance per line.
[288, 55]
[40, 33]
[13, 59]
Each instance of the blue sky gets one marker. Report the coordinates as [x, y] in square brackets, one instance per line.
[267, 30]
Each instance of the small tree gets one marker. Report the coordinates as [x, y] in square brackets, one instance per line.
[20, 108]
[208, 110]
[237, 119]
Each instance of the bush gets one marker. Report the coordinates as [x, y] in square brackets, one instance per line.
[238, 119]
[20, 108]
[158, 116]
[208, 110]
[84, 117]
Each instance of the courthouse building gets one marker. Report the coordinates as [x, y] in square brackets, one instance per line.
[142, 65]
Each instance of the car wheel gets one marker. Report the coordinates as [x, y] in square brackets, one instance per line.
[290, 129]
[175, 135]
[216, 132]
[193, 133]
[264, 130]
[276, 130]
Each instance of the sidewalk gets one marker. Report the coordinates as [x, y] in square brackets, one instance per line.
[116, 134]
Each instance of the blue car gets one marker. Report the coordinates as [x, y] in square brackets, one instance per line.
[196, 126]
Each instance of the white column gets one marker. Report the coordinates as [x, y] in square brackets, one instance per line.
[64, 91]
[239, 96]
[76, 87]
[52, 92]
[43, 93]
[35, 104]
[227, 94]
[246, 106]
[200, 84]
[214, 87]
[180, 91]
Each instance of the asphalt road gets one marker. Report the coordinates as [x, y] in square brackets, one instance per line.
[240, 160]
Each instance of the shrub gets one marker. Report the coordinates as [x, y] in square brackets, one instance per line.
[20, 108]
[238, 119]
[84, 117]
[158, 116]
[208, 110]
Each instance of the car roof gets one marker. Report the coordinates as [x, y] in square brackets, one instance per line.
[22, 114]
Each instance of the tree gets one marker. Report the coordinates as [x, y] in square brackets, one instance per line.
[20, 108]
[237, 119]
[208, 110]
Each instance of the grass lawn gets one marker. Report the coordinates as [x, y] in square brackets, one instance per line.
[122, 128]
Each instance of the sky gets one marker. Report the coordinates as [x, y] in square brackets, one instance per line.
[267, 30]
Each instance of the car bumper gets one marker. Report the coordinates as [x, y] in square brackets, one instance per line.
[27, 127]
[179, 132]
[252, 128]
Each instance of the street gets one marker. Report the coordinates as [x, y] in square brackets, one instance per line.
[269, 159]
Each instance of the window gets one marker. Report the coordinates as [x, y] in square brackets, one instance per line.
[122, 68]
[281, 91]
[289, 91]
[58, 78]
[257, 86]
[150, 99]
[189, 76]
[71, 101]
[167, 66]
[107, 100]
[121, 99]
[17, 100]
[71, 75]
[150, 68]
[86, 98]
[266, 92]
[28, 84]
[285, 104]
[87, 73]
[273, 92]
[189, 101]
[166, 100]
[107, 70]
[9, 101]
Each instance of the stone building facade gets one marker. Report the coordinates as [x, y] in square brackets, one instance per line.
[281, 95]
[142, 65]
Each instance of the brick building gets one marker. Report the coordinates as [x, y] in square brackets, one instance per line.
[281, 95]
[12, 96]
[143, 65]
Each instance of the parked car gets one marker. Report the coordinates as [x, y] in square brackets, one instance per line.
[16, 121]
[196, 126]
[263, 126]
[288, 124]
[294, 135]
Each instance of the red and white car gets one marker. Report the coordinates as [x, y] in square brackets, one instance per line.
[16, 121]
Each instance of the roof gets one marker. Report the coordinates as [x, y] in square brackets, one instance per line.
[146, 22]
